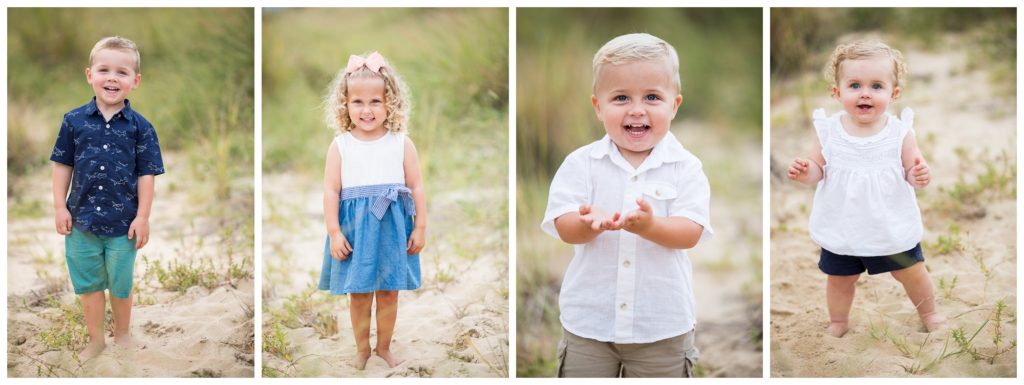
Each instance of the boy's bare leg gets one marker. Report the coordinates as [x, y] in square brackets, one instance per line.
[387, 314]
[840, 290]
[918, 284]
[93, 305]
[360, 306]
[122, 309]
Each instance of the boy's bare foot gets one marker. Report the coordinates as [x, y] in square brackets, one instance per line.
[389, 358]
[933, 322]
[93, 349]
[838, 329]
[360, 361]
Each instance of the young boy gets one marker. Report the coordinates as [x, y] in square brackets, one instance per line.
[632, 203]
[113, 154]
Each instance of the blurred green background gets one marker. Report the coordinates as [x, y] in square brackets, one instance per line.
[197, 90]
[453, 60]
[803, 38]
[720, 53]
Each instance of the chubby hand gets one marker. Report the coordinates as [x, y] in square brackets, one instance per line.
[798, 170]
[416, 241]
[639, 220]
[63, 221]
[340, 248]
[139, 231]
[920, 175]
[598, 219]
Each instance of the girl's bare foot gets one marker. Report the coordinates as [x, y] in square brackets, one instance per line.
[126, 342]
[933, 321]
[93, 349]
[389, 358]
[838, 329]
[360, 361]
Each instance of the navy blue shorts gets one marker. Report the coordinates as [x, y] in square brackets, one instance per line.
[834, 264]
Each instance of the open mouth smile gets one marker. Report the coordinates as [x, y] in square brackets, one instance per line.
[637, 130]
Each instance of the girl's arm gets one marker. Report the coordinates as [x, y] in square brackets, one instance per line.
[810, 170]
[915, 169]
[340, 247]
[414, 181]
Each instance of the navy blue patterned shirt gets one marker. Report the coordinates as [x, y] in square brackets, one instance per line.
[108, 158]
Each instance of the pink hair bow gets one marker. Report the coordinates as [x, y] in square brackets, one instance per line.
[373, 61]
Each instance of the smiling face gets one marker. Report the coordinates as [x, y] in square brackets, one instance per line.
[112, 77]
[865, 87]
[636, 102]
[366, 107]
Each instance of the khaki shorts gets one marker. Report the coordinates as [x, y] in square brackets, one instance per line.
[584, 357]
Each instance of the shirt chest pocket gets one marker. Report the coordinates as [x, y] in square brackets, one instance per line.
[660, 196]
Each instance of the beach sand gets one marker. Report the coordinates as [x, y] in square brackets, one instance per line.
[455, 325]
[200, 332]
[965, 126]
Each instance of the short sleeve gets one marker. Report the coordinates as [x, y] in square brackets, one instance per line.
[694, 198]
[148, 160]
[820, 122]
[64, 148]
[569, 189]
[907, 118]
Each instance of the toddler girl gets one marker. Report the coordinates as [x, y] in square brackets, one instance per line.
[373, 243]
[866, 164]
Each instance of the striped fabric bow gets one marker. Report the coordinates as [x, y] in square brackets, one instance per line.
[380, 205]
[373, 61]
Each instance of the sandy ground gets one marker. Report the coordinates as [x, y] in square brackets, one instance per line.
[201, 332]
[456, 325]
[957, 111]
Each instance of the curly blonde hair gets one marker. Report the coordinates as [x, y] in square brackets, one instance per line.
[397, 99]
[864, 49]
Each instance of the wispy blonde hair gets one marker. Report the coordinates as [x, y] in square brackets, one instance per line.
[636, 47]
[118, 43]
[397, 99]
[864, 49]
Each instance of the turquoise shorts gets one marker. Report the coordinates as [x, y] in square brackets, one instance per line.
[97, 263]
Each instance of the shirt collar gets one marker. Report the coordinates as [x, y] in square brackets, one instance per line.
[127, 111]
[668, 150]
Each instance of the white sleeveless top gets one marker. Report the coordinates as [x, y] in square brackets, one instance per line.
[864, 206]
[367, 163]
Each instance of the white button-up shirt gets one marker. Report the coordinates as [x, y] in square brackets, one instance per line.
[620, 287]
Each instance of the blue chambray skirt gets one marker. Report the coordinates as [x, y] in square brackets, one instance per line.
[377, 220]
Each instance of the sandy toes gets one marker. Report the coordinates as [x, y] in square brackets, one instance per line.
[92, 350]
[389, 358]
[360, 361]
[838, 329]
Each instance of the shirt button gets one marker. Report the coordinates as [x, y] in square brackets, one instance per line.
[623, 306]
[103, 167]
[105, 147]
[624, 264]
[108, 125]
[101, 187]
[98, 209]
[633, 178]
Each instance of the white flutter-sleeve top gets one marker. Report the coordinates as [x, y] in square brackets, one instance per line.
[864, 206]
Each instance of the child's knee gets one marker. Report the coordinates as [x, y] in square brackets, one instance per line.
[843, 280]
[387, 296]
[910, 274]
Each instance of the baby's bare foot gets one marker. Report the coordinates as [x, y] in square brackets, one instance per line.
[360, 361]
[838, 329]
[92, 350]
[933, 322]
[389, 358]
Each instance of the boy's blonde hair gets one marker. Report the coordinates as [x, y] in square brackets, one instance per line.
[118, 43]
[636, 47]
[397, 99]
[864, 49]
